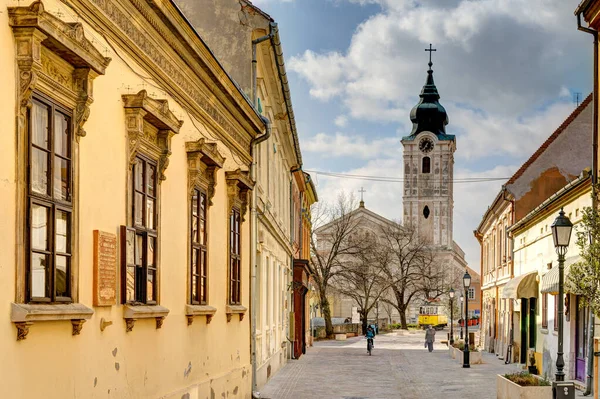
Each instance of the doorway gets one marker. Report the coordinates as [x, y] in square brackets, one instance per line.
[581, 324]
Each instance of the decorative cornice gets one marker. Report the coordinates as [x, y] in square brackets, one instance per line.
[169, 61]
[42, 40]
[158, 113]
[238, 185]
[141, 109]
[204, 160]
[64, 38]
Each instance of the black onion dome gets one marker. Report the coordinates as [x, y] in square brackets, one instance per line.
[429, 115]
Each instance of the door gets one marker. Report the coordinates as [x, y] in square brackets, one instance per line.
[304, 323]
[580, 340]
[524, 323]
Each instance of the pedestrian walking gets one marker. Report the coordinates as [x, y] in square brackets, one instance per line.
[430, 338]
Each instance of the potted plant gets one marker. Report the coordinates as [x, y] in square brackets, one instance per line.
[458, 348]
[522, 385]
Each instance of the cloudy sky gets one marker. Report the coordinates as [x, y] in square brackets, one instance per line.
[506, 70]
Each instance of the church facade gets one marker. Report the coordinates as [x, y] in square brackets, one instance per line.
[428, 203]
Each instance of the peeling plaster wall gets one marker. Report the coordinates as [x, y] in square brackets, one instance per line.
[227, 27]
[561, 162]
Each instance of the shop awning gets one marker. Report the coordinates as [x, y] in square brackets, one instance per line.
[523, 286]
[550, 279]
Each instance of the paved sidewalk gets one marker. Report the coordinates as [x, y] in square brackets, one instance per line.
[399, 368]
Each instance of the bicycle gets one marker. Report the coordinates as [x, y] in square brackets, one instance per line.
[369, 345]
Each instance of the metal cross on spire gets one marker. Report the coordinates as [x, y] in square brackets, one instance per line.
[362, 202]
[431, 50]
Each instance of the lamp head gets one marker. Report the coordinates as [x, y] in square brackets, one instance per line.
[451, 293]
[467, 280]
[561, 232]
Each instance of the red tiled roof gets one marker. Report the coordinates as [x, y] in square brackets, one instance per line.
[550, 139]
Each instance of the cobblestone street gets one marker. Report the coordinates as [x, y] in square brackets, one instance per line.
[399, 368]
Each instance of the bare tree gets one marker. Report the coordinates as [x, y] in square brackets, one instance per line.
[362, 277]
[388, 308]
[413, 268]
[333, 225]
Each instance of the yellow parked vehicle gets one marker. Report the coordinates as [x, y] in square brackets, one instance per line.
[434, 315]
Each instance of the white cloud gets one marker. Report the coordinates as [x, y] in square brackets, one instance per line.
[341, 121]
[324, 72]
[498, 62]
[342, 145]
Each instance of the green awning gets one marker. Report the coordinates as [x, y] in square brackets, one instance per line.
[523, 286]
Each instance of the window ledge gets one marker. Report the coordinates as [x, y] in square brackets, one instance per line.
[235, 309]
[24, 315]
[131, 313]
[199, 310]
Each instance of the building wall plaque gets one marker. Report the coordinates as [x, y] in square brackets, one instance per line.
[105, 268]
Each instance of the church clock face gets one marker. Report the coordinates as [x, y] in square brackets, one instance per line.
[426, 145]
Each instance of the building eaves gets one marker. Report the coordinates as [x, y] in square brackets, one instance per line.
[490, 210]
[223, 70]
[285, 87]
[258, 10]
[582, 7]
[550, 139]
[583, 178]
[311, 185]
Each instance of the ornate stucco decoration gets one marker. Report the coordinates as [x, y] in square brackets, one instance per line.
[180, 63]
[54, 57]
[204, 160]
[238, 185]
[150, 127]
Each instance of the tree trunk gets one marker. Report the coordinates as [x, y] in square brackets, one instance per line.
[327, 316]
[403, 323]
[363, 316]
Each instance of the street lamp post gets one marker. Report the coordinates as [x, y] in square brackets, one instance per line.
[466, 284]
[451, 293]
[377, 322]
[461, 316]
[561, 233]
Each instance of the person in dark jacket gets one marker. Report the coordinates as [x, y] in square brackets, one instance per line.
[430, 338]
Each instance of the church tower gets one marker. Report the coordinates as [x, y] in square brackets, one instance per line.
[429, 169]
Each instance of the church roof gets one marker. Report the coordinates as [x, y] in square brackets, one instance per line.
[429, 115]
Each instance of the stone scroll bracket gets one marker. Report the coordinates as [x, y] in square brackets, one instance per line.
[150, 127]
[55, 57]
[235, 309]
[199, 310]
[204, 159]
[25, 315]
[132, 313]
[238, 186]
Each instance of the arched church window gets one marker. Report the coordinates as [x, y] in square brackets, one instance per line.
[426, 165]
[426, 211]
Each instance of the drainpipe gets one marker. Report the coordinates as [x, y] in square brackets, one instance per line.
[253, 246]
[255, 42]
[590, 337]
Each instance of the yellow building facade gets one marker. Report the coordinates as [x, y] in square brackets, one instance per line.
[125, 247]
[535, 309]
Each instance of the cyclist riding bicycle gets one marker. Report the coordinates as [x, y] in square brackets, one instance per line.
[370, 334]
